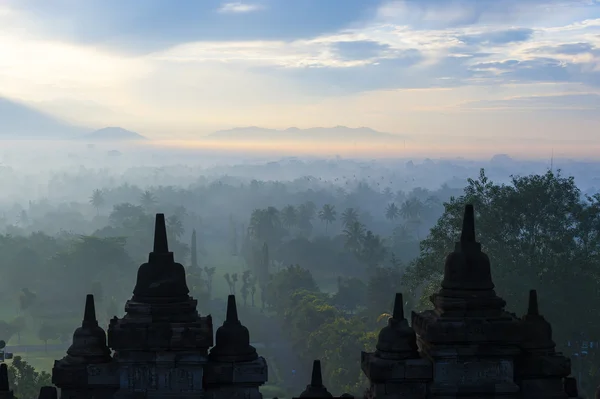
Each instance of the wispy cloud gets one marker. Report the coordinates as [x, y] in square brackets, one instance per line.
[238, 8]
[456, 62]
[555, 102]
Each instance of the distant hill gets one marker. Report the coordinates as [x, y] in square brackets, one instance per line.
[113, 134]
[20, 121]
[313, 134]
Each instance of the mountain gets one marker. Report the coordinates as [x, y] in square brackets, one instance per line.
[313, 134]
[113, 134]
[20, 121]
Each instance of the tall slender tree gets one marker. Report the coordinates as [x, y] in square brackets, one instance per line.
[327, 214]
[349, 216]
[233, 236]
[263, 275]
[289, 216]
[194, 251]
[354, 235]
[392, 212]
[97, 200]
[210, 272]
[147, 200]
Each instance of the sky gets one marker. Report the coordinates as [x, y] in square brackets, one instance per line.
[449, 70]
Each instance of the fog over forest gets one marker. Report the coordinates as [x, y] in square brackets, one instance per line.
[311, 246]
[315, 160]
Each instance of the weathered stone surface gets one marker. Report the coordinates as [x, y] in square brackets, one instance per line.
[232, 343]
[473, 372]
[88, 370]
[556, 365]
[377, 369]
[254, 372]
[146, 335]
[540, 370]
[469, 346]
[161, 345]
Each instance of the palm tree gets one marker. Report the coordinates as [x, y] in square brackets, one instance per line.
[306, 213]
[411, 208]
[392, 212]
[265, 224]
[147, 199]
[373, 250]
[175, 226]
[355, 235]
[327, 214]
[97, 200]
[411, 211]
[289, 216]
[349, 216]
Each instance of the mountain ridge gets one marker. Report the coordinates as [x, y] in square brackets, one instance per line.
[294, 133]
[113, 133]
[22, 121]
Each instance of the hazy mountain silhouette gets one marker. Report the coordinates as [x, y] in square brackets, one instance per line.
[20, 121]
[293, 133]
[113, 134]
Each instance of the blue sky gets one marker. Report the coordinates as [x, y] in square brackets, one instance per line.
[510, 69]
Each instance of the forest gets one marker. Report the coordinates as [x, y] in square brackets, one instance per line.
[314, 267]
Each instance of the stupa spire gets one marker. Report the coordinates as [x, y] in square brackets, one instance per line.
[232, 343]
[468, 227]
[161, 244]
[316, 389]
[537, 330]
[468, 268]
[532, 308]
[397, 340]
[232, 315]
[316, 379]
[161, 277]
[89, 314]
[398, 312]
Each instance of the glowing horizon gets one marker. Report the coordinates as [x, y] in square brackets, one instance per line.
[359, 149]
[421, 68]
[412, 149]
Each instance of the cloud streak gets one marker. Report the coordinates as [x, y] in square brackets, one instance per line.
[471, 54]
[238, 8]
